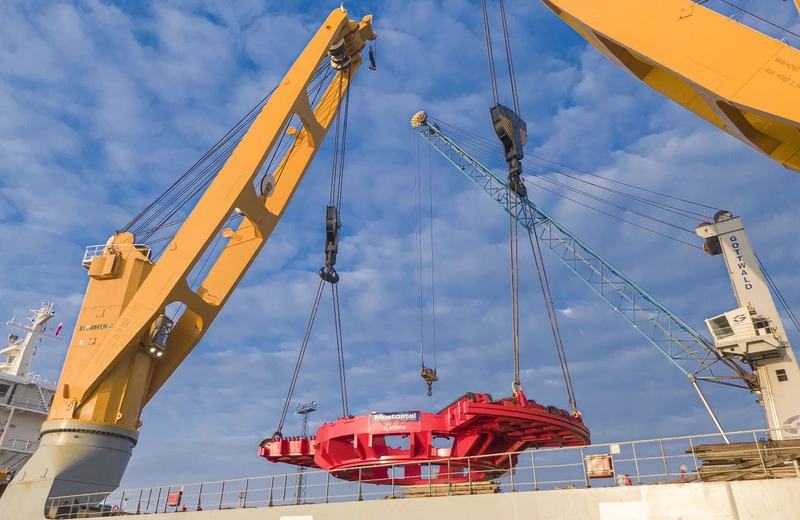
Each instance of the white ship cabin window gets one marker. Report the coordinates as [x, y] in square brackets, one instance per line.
[721, 327]
[760, 322]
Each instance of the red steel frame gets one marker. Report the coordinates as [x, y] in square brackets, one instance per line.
[477, 426]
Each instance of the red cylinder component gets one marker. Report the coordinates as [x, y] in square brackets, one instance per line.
[473, 426]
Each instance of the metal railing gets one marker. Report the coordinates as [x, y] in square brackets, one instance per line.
[19, 445]
[667, 460]
[24, 403]
[40, 380]
[97, 250]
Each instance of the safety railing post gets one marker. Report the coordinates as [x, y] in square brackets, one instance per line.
[360, 498]
[533, 467]
[449, 480]
[694, 457]
[760, 455]
[199, 506]
[583, 466]
[636, 464]
[158, 500]
[469, 474]
[327, 485]
[139, 502]
[393, 466]
[221, 494]
[511, 472]
[166, 499]
[664, 457]
[430, 478]
[285, 480]
[246, 487]
[149, 496]
[271, 486]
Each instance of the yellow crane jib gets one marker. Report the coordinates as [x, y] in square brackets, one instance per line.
[736, 78]
[125, 347]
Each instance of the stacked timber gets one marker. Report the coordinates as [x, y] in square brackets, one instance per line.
[441, 490]
[747, 460]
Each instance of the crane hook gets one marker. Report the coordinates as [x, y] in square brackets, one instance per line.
[372, 65]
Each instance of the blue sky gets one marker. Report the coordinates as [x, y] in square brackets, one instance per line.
[104, 104]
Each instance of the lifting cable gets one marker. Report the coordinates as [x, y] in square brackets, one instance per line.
[538, 258]
[512, 133]
[327, 273]
[428, 374]
[513, 241]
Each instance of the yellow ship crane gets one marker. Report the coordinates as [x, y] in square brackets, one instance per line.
[125, 347]
[736, 78]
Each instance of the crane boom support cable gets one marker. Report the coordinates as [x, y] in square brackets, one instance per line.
[779, 296]
[466, 135]
[200, 175]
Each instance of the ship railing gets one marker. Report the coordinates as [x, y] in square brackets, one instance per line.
[39, 379]
[97, 250]
[633, 463]
[19, 445]
[24, 403]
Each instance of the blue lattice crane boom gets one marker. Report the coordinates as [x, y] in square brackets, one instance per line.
[686, 348]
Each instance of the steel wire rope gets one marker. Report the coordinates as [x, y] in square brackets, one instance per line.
[337, 182]
[202, 178]
[300, 356]
[488, 146]
[549, 304]
[654, 204]
[321, 287]
[745, 11]
[604, 201]
[609, 203]
[511, 76]
[208, 174]
[433, 264]
[513, 241]
[490, 56]
[778, 295]
[418, 248]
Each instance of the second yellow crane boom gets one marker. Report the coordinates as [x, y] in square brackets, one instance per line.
[739, 80]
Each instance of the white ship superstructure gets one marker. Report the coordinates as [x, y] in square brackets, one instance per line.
[25, 396]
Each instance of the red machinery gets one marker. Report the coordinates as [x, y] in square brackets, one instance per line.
[479, 429]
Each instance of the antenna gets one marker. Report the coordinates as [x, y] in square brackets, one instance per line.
[304, 410]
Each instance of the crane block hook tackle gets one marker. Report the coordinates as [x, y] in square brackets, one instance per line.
[430, 377]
